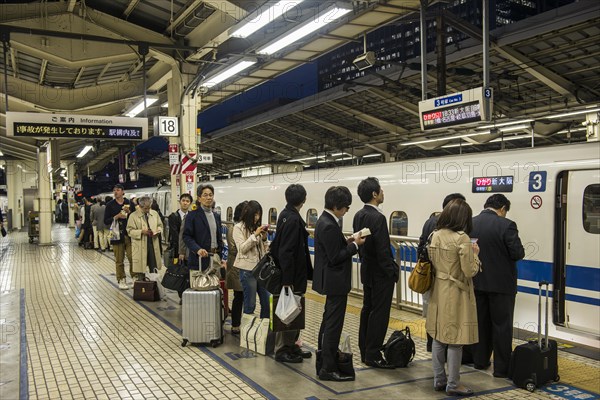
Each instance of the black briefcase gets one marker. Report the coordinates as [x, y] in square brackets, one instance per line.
[145, 291]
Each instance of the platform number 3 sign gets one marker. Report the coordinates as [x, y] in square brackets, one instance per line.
[537, 181]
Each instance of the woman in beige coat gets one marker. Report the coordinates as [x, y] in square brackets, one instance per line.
[249, 237]
[452, 311]
[143, 226]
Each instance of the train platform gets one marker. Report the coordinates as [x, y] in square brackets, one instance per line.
[68, 332]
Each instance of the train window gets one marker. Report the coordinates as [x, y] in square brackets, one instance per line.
[229, 214]
[272, 216]
[398, 223]
[591, 209]
[311, 218]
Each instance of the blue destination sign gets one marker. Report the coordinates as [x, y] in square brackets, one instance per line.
[444, 101]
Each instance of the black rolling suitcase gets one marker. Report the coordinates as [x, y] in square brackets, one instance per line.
[535, 363]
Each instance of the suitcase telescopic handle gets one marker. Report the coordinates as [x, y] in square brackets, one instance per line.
[542, 283]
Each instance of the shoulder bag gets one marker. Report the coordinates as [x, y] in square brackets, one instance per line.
[421, 277]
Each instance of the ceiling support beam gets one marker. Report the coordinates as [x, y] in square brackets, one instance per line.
[274, 149]
[183, 15]
[303, 133]
[286, 142]
[369, 119]
[395, 100]
[338, 130]
[546, 76]
[13, 62]
[71, 5]
[43, 71]
[130, 7]
[78, 77]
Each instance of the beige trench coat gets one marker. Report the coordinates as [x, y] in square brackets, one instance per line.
[139, 242]
[452, 311]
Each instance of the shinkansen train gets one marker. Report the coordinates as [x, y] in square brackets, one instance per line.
[555, 196]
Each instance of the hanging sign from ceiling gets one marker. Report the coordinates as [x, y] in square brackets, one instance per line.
[46, 125]
[470, 106]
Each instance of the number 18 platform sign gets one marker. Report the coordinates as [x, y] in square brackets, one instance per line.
[71, 126]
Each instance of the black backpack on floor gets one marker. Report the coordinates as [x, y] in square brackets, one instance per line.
[399, 349]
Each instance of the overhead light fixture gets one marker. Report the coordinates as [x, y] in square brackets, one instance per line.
[498, 125]
[165, 104]
[262, 18]
[445, 138]
[140, 106]
[229, 72]
[372, 155]
[84, 151]
[586, 111]
[1, 153]
[328, 15]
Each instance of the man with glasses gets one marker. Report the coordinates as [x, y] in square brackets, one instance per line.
[496, 284]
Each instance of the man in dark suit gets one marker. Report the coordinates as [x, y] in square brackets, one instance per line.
[378, 273]
[202, 231]
[428, 228]
[185, 200]
[333, 276]
[296, 268]
[496, 284]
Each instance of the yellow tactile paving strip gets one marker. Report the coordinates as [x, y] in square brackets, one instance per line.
[86, 339]
[573, 369]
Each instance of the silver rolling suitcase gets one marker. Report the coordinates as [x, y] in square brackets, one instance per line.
[202, 317]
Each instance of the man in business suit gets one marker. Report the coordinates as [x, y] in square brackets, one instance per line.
[202, 231]
[185, 200]
[496, 284]
[296, 268]
[378, 273]
[332, 277]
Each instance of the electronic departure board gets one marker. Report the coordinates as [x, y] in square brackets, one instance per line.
[493, 184]
[457, 109]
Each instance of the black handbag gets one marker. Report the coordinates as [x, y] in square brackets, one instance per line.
[344, 363]
[177, 277]
[268, 273]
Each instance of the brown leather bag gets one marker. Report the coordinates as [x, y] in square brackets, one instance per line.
[145, 291]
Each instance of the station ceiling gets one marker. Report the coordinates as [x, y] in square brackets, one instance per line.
[56, 61]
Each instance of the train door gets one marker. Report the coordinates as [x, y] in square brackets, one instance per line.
[582, 259]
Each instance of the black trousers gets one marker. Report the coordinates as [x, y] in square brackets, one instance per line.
[495, 312]
[374, 318]
[236, 308]
[331, 330]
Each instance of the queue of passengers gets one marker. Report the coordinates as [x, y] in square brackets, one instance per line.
[470, 304]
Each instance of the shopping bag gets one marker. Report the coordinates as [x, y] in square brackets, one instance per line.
[288, 306]
[277, 325]
[115, 231]
[255, 335]
[157, 277]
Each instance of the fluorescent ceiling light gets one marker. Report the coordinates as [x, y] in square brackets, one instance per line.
[247, 28]
[522, 121]
[305, 158]
[325, 17]
[445, 138]
[1, 153]
[228, 73]
[165, 104]
[590, 110]
[84, 151]
[139, 107]
[372, 155]
[515, 128]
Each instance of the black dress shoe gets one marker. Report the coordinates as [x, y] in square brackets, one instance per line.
[379, 364]
[477, 366]
[288, 358]
[303, 354]
[335, 376]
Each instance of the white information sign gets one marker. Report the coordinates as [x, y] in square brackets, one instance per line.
[205, 158]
